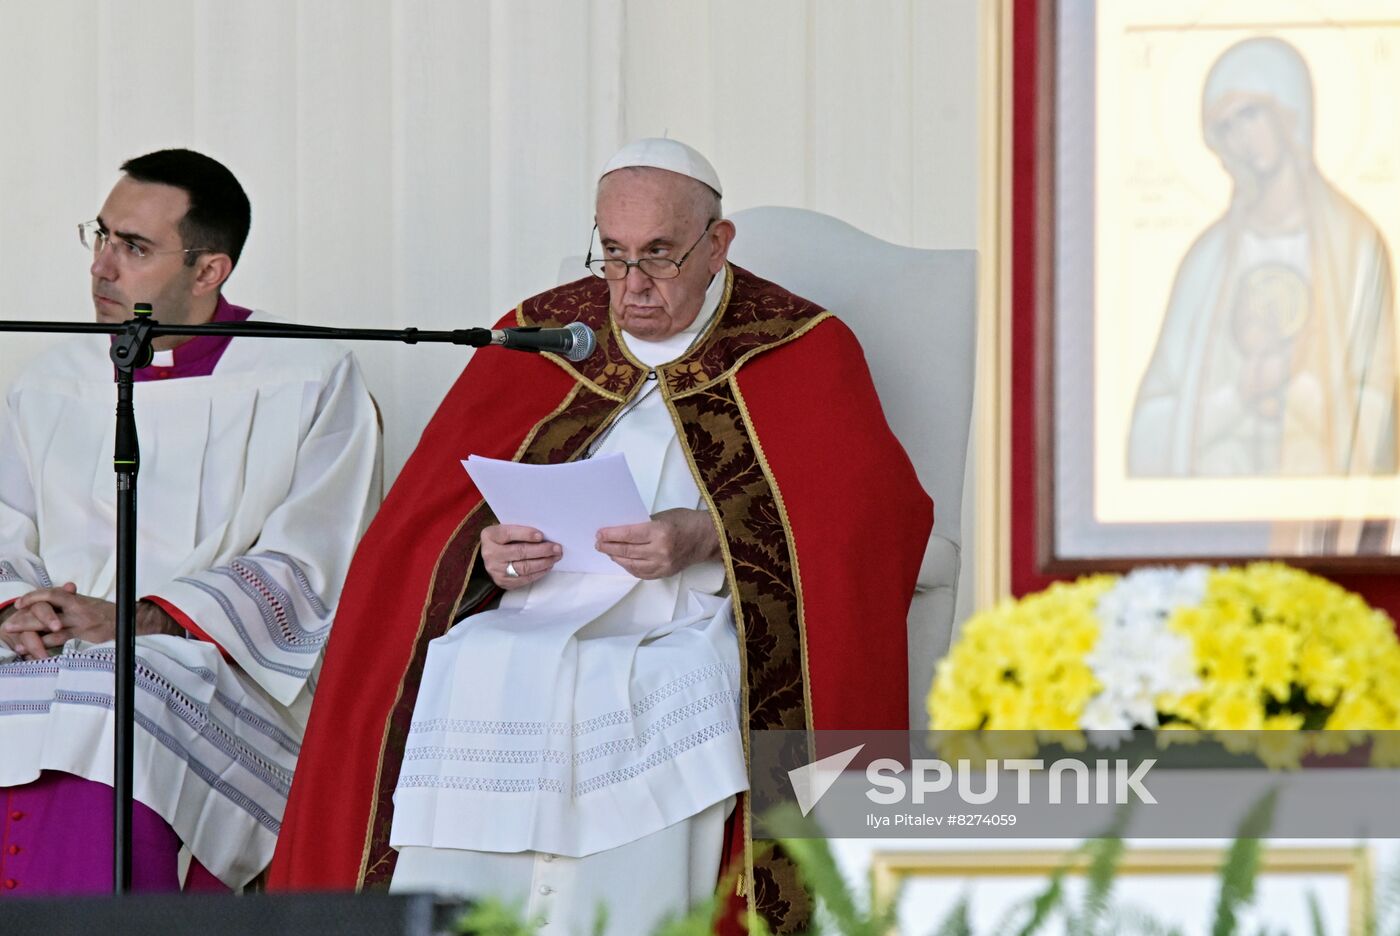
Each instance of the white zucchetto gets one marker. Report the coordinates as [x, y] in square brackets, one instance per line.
[662, 153]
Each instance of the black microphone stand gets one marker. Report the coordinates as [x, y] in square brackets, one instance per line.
[131, 349]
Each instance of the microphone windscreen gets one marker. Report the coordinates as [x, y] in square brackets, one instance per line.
[584, 342]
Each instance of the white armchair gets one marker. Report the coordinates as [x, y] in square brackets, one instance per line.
[914, 312]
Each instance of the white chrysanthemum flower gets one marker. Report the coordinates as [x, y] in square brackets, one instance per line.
[1136, 658]
[1102, 715]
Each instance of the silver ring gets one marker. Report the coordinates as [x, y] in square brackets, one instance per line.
[510, 571]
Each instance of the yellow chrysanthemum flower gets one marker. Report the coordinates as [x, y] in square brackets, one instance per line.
[1272, 648]
[1236, 708]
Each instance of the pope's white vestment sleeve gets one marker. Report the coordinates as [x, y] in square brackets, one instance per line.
[269, 609]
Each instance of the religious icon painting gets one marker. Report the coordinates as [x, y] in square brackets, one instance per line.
[1218, 342]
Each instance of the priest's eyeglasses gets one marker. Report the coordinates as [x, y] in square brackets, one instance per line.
[92, 236]
[615, 268]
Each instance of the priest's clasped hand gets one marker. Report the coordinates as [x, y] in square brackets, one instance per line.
[673, 540]
[46, 619]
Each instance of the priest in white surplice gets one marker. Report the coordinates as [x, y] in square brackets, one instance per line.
[259, 472]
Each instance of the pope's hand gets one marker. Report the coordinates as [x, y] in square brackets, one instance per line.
[521, 549]
[671, 541]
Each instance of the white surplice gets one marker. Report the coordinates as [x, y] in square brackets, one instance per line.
[255, 485]
[587, 711]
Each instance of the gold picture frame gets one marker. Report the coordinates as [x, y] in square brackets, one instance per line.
[890, 871]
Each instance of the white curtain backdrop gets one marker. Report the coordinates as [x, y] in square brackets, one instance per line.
[428, 162]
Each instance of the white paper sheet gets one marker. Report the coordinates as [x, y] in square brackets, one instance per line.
[568, 503]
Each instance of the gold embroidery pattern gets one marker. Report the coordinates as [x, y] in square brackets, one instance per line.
[754, 314]
[760, 551]
[764, 579]
[759, 314]
[565, 437]
[682, 377]
[585, 301]
[783, 519]
[778, 895]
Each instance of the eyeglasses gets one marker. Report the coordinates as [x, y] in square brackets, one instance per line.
[92, 236]
[612, 268]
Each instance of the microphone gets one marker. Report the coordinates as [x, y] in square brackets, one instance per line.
[574, 342]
